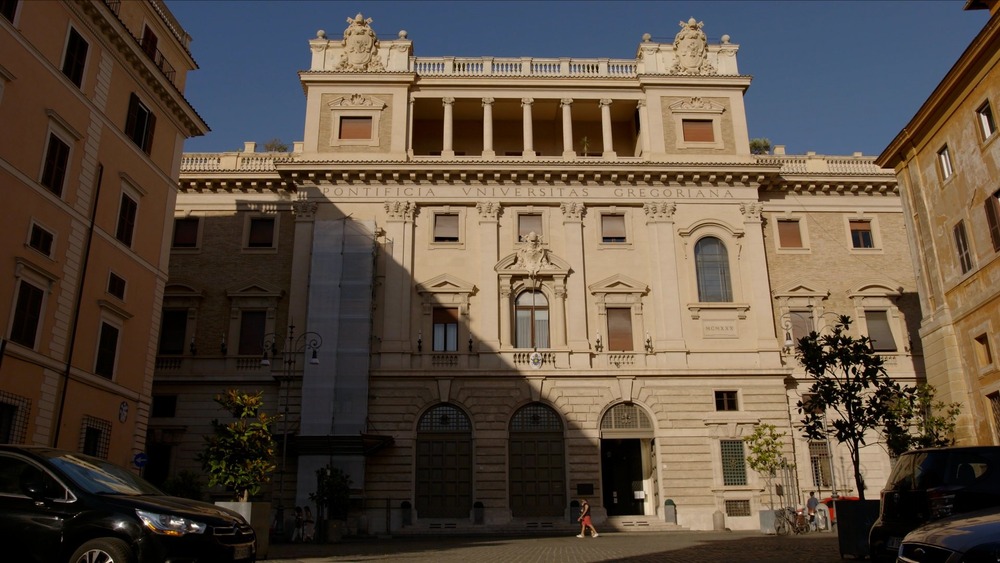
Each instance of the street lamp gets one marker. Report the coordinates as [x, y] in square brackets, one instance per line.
[306, 342]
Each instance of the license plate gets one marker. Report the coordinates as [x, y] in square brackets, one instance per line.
[242, 551]
[892, 544]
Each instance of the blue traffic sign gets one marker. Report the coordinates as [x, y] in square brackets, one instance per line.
[140, 459]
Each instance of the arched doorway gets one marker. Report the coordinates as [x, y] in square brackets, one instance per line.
[537, 476]
[628, 461]
[443, 487]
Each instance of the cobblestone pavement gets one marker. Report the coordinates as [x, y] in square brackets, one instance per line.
[669, 547]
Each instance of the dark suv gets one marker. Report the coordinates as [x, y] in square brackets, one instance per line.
[59, 506]
[929, 484]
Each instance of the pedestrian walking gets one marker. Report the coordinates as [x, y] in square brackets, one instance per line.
[309, 525]
[299, 523]
[585, 521]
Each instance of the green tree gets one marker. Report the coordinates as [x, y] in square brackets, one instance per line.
[848, 378]
[240, 454]
[766, 454]
[760, 145]
[275, 145]
[918, 421]
[333, 492]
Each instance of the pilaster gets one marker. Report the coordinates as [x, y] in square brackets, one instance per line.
[396, 338]
[576, 288]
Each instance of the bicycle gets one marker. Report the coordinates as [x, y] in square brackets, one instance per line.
[788, 520]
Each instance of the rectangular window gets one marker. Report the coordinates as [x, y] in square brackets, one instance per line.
[126, 220]
[737, 508]
[355, 128]
[116, 285]
[994, 400]
[185, 232]
[983, 352]
[987, 126]
[962, 247]
[613, 228]
[95, 437]
[726, 401]
[789, 235]
[446, 227]
[861, 234]
[164, 406]
[139, 124]
[173, 331]
[808, 406]
[27, 314]
[819, 462]
[620, 330]
[261, 232]
[8, 8]
[445, 330]
[252, 324]
[75, 58]
[802, 325]
[149, 42]
[41, 240]
[698, 130]
[734, 469]
[879, 331]
[992, 207]
[944, 163]
[14, 410]
[56, 161]
[528, 223]
[107, 351]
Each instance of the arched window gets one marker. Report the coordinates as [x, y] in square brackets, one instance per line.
[532, 315]
[712, 263]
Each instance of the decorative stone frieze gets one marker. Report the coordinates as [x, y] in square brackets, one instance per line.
[488, 210]
[304, 210]
[751, 211]
[691, 50]
[400, 210]
[659, 210]
[360, 47]
[357, 101]
[572, 210]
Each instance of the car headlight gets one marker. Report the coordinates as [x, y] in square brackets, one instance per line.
[983, 553]
[170, 524]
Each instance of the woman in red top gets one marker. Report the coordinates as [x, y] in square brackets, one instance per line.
[585, 521]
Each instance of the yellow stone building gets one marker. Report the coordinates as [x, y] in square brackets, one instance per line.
[947, 167]
[518, 282]
[94, 119]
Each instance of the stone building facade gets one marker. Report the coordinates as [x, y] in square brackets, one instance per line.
[947, 162]
[526, 281]
[94, 119]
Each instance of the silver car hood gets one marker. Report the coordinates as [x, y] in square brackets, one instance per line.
[959, 533]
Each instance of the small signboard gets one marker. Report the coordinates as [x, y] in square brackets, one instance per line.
[140, 460]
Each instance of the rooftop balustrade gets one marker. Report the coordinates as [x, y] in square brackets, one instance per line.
[524, 66]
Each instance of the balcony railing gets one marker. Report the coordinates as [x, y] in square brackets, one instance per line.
[527, 66]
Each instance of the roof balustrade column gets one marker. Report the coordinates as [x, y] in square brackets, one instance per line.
[609, 147]
[448, 149]
[567, 127]
[488, 151]
[529, 144]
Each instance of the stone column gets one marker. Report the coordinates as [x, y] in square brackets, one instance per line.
[567, 126]
[506, 335]
[447, 146]
[487, 314]
[298, 294]
[409, 127]
[397, 340]
[667, 333]
[488, 151]
[643, 127]
[576, 288]
[753, 267]
[529, 143]
[609, 146]
[557, 328]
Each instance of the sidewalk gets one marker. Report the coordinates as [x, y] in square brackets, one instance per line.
[633, 547]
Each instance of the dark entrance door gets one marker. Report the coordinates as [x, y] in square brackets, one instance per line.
[621, 467]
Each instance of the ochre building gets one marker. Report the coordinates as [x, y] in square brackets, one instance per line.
[93, 119]
[515, 283]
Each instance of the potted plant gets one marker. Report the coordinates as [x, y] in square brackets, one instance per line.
[239, 456]
[766, 457]
[849, 379]
[332, 497]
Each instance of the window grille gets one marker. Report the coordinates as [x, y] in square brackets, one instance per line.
[14, 411]
[444, 418]
[536, 417]
[737, 508]
[95, 437]
[625, 417]
[734, 469]
[995, 407]
[819, 461]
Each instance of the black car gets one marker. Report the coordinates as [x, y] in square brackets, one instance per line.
[927, 485]
[59, 506]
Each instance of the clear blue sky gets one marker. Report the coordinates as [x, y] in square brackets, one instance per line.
[830, 77]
